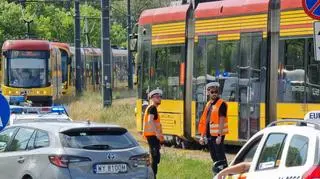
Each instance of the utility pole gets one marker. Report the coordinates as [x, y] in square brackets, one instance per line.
[130, 80]
[77, 42]
[106, 55]
[272, 60]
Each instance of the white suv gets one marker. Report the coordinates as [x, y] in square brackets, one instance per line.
[289, 151]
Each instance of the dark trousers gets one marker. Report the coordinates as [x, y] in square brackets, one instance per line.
[217, 152]
[154, 147]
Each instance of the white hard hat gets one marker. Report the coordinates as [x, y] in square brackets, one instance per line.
[156, 91]
[213, 84]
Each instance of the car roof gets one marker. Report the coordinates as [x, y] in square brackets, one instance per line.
[56, 127]
[291, 129]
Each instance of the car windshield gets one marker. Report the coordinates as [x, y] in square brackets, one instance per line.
[27, 72]
[97, 139]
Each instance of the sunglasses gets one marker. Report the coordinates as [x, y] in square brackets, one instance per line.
[157, 96]
[213, 92]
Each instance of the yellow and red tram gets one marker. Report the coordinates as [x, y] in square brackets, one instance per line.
[32, 67]
[181, 49]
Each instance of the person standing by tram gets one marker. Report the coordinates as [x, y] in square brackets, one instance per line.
[213, 125]
[152, 129]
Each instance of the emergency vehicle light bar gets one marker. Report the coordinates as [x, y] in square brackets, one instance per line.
[38, 110]
[297, 121]
[16, 99]
[58, 109]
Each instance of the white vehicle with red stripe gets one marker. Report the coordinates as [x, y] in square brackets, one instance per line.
[286, 149]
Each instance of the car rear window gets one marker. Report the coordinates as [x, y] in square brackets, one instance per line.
[97, 139]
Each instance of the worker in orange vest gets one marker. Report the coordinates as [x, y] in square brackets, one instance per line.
[152, 129]
[213, 124]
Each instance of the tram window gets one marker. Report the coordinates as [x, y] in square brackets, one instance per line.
[228, 53]
[313, 78]
[199, 77]
[250, 68]
[291, 76]
[145, 73]
[200, 62]
[158, 70]
[212, 62]
[256, 68]
[263, 70]
[175, 58]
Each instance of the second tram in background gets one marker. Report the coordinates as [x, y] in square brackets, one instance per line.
[92, 69]
[68, 87]
[32, 67]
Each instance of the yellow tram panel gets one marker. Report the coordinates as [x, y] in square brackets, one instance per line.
[172, 117]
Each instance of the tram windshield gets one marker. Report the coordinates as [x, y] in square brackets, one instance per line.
[27, 69]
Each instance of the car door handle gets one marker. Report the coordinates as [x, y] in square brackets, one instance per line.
[20, 160]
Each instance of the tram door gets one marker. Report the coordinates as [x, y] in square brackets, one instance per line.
[143, 69]
[249, 84]
[203, 71]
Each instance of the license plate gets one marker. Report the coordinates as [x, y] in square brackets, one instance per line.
[110, 168]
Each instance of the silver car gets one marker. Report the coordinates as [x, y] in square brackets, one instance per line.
[53, 150]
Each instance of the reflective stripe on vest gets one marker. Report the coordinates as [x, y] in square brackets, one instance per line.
[214, 120]
[214, 123]
[147, 127]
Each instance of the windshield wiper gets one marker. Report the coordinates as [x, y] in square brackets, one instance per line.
[97, 147]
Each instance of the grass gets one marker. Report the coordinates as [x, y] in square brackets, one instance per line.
[175, 164]
[89, 107]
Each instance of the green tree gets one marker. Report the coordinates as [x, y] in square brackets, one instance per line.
[118, 35]
[53, 22]
[11, 22]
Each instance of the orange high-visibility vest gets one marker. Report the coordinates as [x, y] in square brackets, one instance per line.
[214, 120]
[147, 127]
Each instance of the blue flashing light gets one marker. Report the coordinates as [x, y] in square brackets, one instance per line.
[217, 73]
[58, 109]
[16, 110]
[225, 74]
[16, 99]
